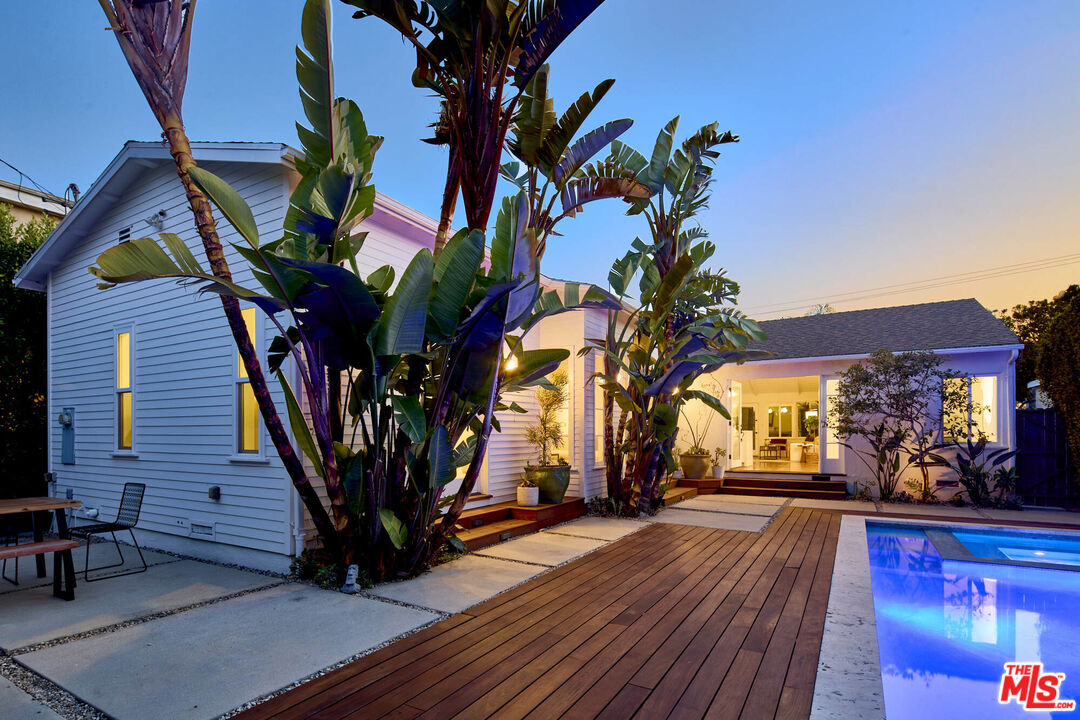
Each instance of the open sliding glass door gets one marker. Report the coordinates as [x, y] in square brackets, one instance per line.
[735, 425]
[830, 450]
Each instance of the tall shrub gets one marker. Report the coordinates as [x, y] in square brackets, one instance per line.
[1059, 367]
[22, 362]
[684, 324]
[891, 410]
[422, 359]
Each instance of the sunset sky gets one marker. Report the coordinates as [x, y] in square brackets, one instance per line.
[885, 146]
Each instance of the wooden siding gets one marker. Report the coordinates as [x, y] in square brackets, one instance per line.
[184, 370]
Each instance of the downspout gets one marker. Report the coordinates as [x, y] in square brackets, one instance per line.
[1010, 399]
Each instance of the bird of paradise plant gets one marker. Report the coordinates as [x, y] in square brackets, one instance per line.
[422, 359]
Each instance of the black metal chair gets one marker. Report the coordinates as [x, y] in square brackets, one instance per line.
[126, 518]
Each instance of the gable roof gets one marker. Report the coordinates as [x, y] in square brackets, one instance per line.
[135, 157]
[129, 163]
[952, 324]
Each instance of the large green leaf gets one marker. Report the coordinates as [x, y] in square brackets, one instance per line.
[228, 201]
[654, 174]
[534, 119]
[665, 420]
[300, 428]
[400, 329]
[410, 416]
[395, 529]
[455, 273]
[709, 400]
[570, 122]
[585, 147]
[441, 458]
[143, 259]
[314, 71]
[533, 366]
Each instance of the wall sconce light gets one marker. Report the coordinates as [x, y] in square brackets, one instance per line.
[511, 363]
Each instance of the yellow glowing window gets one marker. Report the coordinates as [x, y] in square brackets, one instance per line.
[247, 409]
[123, 391]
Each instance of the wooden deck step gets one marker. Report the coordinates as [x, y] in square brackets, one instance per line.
[838, 494]
[496, 532]
[808, 482]
[678, 494]
[704, 486]
[546, 515]
[478, 517]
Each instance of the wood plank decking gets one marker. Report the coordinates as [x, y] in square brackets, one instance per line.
[671, 622]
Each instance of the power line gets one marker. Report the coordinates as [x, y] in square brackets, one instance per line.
[24, 175]
[926, 284]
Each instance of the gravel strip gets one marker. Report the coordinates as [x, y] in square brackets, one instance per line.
[139, 621]
[47, 692]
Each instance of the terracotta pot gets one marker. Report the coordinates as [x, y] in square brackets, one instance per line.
[694, 467]
[552, 480]
[528, 496]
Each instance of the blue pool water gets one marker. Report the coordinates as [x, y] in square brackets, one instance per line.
[946, 628]
[1062, 549]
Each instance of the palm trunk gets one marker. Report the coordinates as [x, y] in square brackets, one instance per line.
[449, 201]
[180, 149]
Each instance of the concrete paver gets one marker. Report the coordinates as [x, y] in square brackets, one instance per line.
[722, 521]
[460, 584]
[934, 511]
[1060, 517]
[102, 554]
[543, 548]
[34, 615]
[17, 705]
[755, 499]
[601, 528]
[209, 660]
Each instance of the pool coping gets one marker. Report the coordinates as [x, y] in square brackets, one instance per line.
[848, 680]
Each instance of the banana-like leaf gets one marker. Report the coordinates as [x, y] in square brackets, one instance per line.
[571, 296]
[409, 415]
[455, 273]
[654, 174]
[143, 259]
[580, 191]
[665, 420]
[314, 71]
[395, 529]
[544, 27]
[533, 365]
[300, 427]
[463, 453]
[711, 401]
[534, 119]
[514, 256]
[441, 457]
[228, 201]
[585, 147]
[400, 329]
[570, 122]
[382, 279]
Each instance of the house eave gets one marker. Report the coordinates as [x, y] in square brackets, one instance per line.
[863, 356]
[132, 158]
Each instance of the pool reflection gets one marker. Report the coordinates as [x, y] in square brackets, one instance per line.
[946, 628]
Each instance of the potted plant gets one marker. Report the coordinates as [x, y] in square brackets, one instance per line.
[695, 460]
[551, 474]
[719, 461]
[528, 495]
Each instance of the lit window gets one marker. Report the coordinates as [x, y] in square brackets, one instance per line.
[780, 421]
[979, 413]
[247, 409]
[123, 390]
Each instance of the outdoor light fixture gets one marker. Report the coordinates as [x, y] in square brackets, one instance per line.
[511, 363]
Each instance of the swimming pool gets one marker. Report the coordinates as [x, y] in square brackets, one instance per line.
[946, 628]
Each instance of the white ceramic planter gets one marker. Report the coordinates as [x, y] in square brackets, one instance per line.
[528, 496]
[718, 472]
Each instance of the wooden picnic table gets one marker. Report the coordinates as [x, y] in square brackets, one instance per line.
[60, 548]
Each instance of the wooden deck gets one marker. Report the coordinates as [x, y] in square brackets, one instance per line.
[671, 622]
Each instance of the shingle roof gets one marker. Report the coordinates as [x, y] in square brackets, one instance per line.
[929, 326]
